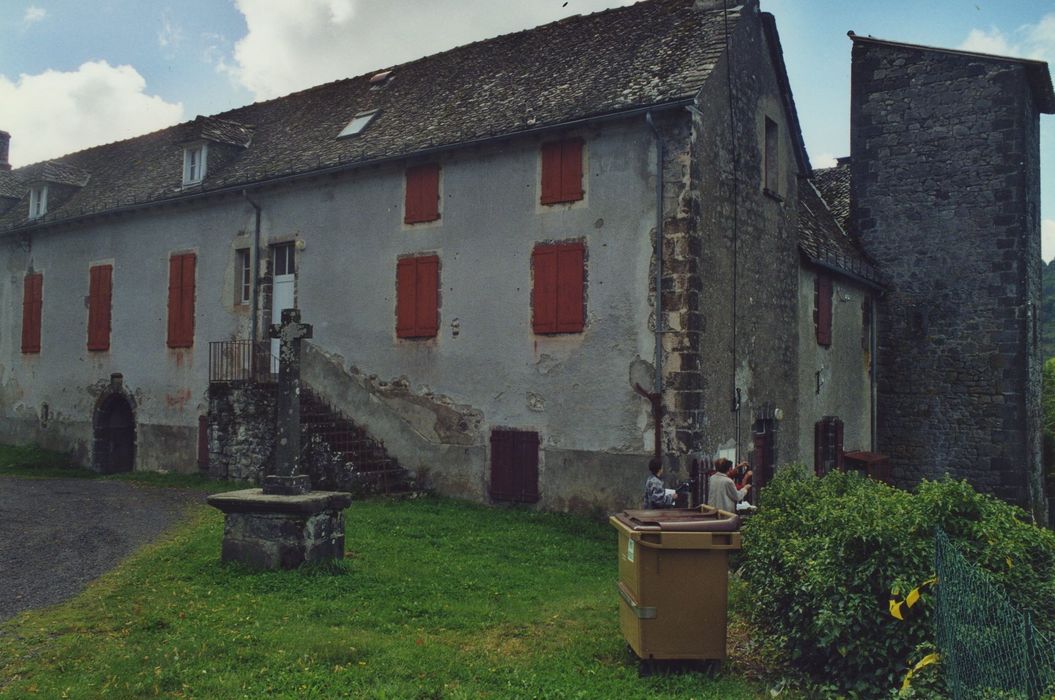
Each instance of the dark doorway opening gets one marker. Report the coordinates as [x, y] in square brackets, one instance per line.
[115, 436]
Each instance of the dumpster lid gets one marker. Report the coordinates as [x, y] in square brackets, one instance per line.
[702, 519]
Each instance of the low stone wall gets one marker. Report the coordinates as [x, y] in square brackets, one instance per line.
[241, 430]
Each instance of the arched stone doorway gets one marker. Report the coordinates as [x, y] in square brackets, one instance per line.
[114, 427]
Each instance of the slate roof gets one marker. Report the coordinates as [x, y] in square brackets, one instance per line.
[54, 171]
[644, 55]
[10, 186]
[224, 131]
[822, 237]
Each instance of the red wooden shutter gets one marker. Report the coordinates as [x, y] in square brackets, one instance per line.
[423, 193]
[551, 172]
[417, 297]
[406, 298]
[571, 170]
[100, 286]
[570, 266]
[837, 444]
[823, 312]
[818, 448]
[32, 304]
[557, 297]
[544, 291]
[428, 283]
[526, 445]
[514, 465]
[181, 301]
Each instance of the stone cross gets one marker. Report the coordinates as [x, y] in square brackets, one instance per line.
[285, 479]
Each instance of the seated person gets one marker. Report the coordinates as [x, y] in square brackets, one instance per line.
[721, 490]
[656, 495]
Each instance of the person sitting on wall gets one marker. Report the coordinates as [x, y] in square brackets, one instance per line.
[657, 495]
[721, 490]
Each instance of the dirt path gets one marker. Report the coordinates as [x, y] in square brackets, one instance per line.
[56, 535]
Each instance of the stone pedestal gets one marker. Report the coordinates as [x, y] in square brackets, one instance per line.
[267, 531]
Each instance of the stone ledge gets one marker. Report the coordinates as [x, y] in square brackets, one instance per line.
[256, 501]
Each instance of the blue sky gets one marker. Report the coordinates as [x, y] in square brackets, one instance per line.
[75, 74]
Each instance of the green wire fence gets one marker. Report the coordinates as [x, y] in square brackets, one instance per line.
[989, 649]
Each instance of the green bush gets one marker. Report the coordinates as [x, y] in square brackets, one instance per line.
[822, 557]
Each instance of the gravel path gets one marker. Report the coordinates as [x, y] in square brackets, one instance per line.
[56, 535]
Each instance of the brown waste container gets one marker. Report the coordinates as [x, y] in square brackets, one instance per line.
[673, 581]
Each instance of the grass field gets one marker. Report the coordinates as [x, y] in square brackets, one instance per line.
[436, 599]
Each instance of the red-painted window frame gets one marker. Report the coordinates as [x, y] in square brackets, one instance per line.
[181, 300]
[32, 306]
[562, 171]
[423, 194]
[822, 308]
[100, 293]
[417, 296]
[558, 294]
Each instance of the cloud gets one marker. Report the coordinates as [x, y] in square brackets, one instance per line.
[53, 113]
[824, 160]
[292, 46]
[33, 15]
[171, 34]
[1047, 239]
[1028, 41]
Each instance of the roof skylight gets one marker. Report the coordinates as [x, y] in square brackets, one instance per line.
[358, 123]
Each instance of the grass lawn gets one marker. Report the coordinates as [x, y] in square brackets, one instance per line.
[437, 599]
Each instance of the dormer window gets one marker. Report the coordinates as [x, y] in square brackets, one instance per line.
[357, 124]
[194, 163]
[38, 201]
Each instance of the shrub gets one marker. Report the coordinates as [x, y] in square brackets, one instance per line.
[823, 555]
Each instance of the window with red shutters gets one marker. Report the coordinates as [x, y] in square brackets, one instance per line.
[562, 171]
[181, 301]
[557, 298]
[822, 309]
[417, 297]
[32, 304]
[423, 194]
[100, 290]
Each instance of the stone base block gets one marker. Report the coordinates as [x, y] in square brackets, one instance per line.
[265, 531]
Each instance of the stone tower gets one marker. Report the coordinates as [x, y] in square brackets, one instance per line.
[945, 178]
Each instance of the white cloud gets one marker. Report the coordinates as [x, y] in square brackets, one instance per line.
[53, 113]
[1028, 41]
[292, 46]
[33, 15]
[824, 160]
[171, 34]
[1047, 239]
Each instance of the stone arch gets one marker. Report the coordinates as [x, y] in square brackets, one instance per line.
[114, 430]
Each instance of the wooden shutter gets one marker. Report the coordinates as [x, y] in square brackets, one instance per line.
[32, 305]
[818, 448]
[571, 170]
[181, 301]
[823, 309]
[514, 465]
[423, 194]
[557, 293]
[551, 172]
[417, 297]
[100, 288]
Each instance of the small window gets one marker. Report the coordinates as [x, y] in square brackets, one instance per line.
[194, 158]
[38, 201]
[181, 301]
[283, 260]
[100, 290]
[423, 194]
[822, 308]
[417, 297]
[772, 158]
[357, 124]
[243, 276]
[827, 445]
[32, 305]
[562, 171]
[557, 300]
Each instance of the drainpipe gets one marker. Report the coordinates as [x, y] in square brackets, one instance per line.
[657, 397]
[254, 264]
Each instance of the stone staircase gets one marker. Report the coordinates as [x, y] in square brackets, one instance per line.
[342, 456]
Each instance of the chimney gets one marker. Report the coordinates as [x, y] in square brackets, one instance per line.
[5, 141]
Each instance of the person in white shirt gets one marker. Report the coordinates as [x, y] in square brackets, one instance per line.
[721, 489]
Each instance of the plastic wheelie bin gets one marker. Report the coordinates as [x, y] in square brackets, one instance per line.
[673, 581]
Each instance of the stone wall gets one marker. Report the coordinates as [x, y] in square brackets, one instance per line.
[241, 430]
[945, 170]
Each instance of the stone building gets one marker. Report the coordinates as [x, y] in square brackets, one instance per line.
[478, 238]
